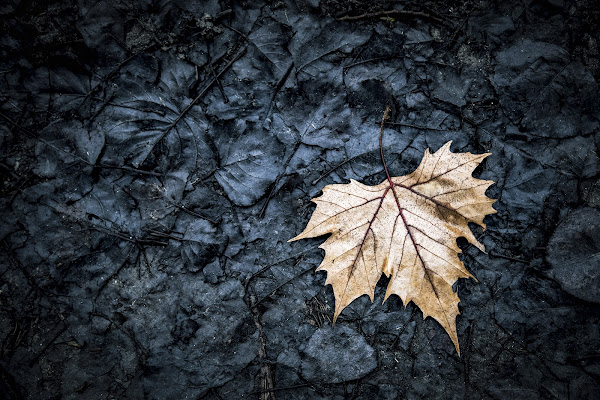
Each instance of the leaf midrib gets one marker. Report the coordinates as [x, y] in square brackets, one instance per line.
[426, 270]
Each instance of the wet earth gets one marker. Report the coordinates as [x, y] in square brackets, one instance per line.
[156, 156]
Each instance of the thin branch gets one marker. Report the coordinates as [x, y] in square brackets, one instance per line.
[190, 212]
[421, 127]
[386, 114]
[47, 143]
[392, 14]
[283, 284]
[282, 388]
[43, 350]
[278, 87]
[336, 167]
[374, 59]
[198, 97]
[273, 187]
[219, 84]
[494, 254]
[130, 169]
[58, 149]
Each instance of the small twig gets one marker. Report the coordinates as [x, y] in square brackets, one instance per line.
[219, 84]
[425, 128]
[283, 284]
[122, 236]
[58, 149]
[260, 271]
[206, 88]
[386, 115]
[141, 351]
[214, 392]
[254, 275]
[457, 31]
[190, 212]
[336, 167]
[155, 233]
[113, 72]
[397, 338]
[223, 13]
[278, 87]
[115, 273]
[130, 169]
[28, 133]
[203, 92]
[266, 370]
[323, 175]
[281, 388]
[8, 170]
[375, 59]
[507, 257]
[242, 35]
[273, 187]
[43, 350]
[392, 13]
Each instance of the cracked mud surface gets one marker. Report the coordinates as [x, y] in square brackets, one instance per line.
[156, 156]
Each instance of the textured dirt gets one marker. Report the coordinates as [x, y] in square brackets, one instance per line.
[156, 156]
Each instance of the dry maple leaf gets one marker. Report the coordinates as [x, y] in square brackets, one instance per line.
[406, 228]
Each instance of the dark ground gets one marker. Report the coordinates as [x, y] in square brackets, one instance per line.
[157, 155]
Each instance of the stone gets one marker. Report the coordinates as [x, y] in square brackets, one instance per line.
[574, 254]
[337, 354]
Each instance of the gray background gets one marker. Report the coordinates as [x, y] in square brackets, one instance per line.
[157, 156]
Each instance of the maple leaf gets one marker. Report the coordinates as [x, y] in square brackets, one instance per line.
[406, 228]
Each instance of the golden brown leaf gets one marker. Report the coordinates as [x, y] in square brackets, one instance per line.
[406, 228]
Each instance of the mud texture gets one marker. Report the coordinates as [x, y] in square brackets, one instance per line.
[156, 156]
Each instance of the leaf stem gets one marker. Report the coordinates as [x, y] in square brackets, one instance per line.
[386, 115]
